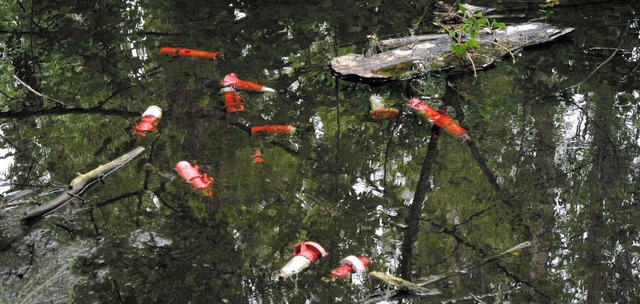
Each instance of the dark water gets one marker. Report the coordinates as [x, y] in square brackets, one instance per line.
[554, 158]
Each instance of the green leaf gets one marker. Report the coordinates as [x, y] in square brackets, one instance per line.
[471, 44]
[498, 25]
[458, 49]
[461, 9]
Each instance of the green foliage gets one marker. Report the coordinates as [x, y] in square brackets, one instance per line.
[464, 34]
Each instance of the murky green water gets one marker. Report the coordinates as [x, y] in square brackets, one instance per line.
[554, 158]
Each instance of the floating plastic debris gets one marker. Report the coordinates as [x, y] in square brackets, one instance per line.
[274, 129]
[439, 118]
[191, 174]
[149, 121]
[257, 157]
[232, 101]
[380, 110]
[231, 80]
[304, 253]
[188, 52]
[350, 264]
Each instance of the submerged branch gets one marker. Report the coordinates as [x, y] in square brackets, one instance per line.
[58, 102]
[387, 151]
[79, 184]
[403, 284]
[491, 178]
[423, 188]
[63, 111]
[466, 267]
[617, 49]
[473, 148]
[419, 286]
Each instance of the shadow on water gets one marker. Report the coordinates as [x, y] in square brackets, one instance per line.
[551, 159]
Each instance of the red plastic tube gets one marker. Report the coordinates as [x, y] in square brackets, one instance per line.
[441, 119]
[188, 52]
[273, 129]
[148, 122]
[310, 250]
[191, 174]
[232, 101]
[231, 80]
[350, 264]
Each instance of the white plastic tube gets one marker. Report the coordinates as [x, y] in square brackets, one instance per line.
[296, 265]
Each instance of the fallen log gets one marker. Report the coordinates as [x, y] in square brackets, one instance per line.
[435, 54]
[81, 183]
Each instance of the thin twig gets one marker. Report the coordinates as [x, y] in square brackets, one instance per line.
[597, 68]
[60, 103]
[18, 203]
[475, 74]
[76, 196]
[513, 58]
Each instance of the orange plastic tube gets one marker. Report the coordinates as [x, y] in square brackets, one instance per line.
[384, 113]
[273, 129]
[188, 52]
[257, 157]
[380, 110]
[440, 119]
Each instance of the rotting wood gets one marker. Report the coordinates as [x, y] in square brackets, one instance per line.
[81, 183]
[435, 54]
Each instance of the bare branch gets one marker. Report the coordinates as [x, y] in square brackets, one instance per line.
[58, 102]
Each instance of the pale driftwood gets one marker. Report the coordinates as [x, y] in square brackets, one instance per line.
[397, 42]
[435, 54]
[79, 184]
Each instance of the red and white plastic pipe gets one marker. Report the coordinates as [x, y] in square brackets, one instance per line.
[304, 253]
[232, 101]
[191, 174]
[149, 121]
[350, 264]
[380, 110]
[232, 81]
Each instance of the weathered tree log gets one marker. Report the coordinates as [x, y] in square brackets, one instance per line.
[81, 183]
[435, 54]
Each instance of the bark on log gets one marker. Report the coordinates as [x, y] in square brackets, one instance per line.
[434, 54]
[81, 183]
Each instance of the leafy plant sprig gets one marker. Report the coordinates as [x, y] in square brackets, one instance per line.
[464, 34]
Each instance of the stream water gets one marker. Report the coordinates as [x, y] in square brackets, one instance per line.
[553, 158]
